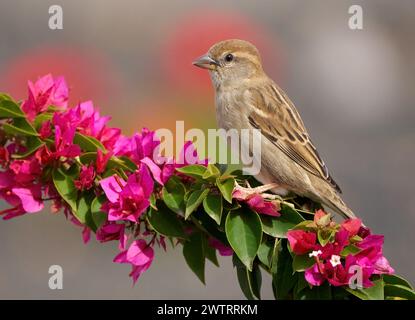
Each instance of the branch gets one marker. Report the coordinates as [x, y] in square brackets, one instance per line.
[117, 188]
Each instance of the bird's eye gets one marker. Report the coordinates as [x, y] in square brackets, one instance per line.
[229, 57]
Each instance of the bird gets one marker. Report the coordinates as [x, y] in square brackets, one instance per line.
[246, 98]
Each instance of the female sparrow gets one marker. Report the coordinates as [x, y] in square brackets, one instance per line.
[247, 99]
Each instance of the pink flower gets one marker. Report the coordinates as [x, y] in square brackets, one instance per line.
[352, 226]
[102, 160]
[313, 275]
[45, 130]
[86, 232]
[23, 198]
[301, 241]
[335, 248]
[218, 245]
[140, 255]
[112, 231]
[4, 156]
[86, 178]
[128, 200]
[162, 168]
[64, 135]
[257, 203]
[44, 92]
[138, 147]
[188, 155]
[26, 171]
[372, 251]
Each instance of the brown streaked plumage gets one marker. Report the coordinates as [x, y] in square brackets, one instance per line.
[246, 98]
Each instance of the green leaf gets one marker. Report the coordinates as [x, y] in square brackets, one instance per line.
[399, 291]
[87, 143]
[195, 170]
[65, 186]
[249, 282]
[166, 222]
[195, 200]
[212, 172]
[98, 216]
[322, 292]
[193, 252]
[278, 226]
[213, 205]
[376, 292]
[244, 233]
[113, 163]
[41, 118]
[265, 251]
[83, 211]
[5, 96]
[394, 279]
[211, 254]
[350, 249]
[10, 109]
[210, 226]
[126, 162]
[226, 188]
[302, 262]
[283, 280]
[275, 254]
[173, 195]
[325, 236]
[20, 126]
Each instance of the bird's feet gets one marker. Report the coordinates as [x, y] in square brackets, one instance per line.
[246, 192]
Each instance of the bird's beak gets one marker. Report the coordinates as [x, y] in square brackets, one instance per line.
[206, 62]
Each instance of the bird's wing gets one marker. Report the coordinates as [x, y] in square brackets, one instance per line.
[277, 118]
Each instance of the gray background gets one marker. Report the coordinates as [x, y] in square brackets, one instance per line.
[354, 89]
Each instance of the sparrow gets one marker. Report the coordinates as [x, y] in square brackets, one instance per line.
[246, 98]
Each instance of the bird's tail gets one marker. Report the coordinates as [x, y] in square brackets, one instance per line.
[340, 207]
[333, 200]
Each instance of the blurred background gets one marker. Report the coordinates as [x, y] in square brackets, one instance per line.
[353, 88]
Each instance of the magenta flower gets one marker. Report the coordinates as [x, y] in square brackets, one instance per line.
[302, 241]
[188, 155]
[162, 168]
[128, 200]
[102, 160]
[372, 251]
[45, 130]
[257, 203]
[334, 268]
[23, 198]
[4, 156]
[352, 226]
[139, 146]
[86, 178]
[140, 255]
[44, 92]
[64, 146]
[218, 245]
[314, 276]
[26, 171]
[112, 231]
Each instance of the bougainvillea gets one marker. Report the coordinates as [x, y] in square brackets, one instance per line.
[122, 189]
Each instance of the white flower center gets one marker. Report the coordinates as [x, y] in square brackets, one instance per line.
[315, 253]
[335, 260]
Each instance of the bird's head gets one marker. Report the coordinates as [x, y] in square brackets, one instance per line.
[231, 60]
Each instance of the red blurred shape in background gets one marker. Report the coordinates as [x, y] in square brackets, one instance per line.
[88, 74]
[196, 32]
